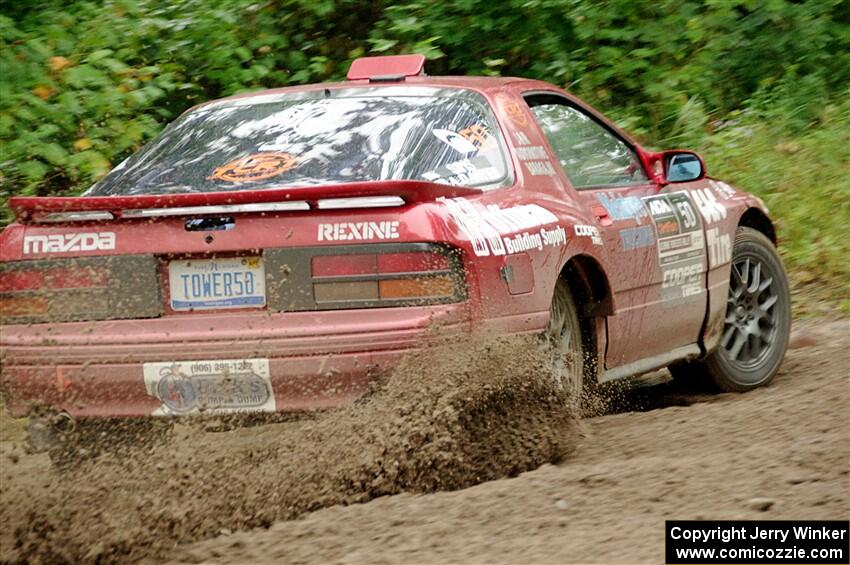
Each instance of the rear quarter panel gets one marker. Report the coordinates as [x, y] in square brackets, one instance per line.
[537, 184]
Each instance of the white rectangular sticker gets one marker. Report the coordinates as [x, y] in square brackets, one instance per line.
[221, 386]
[681, 246]
[207, 284]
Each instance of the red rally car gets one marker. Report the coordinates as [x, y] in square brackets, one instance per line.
[269, 250]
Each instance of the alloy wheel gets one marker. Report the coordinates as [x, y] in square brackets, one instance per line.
[751, 318]
[564, 337]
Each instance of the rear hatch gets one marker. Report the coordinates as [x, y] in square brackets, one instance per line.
[269, 203]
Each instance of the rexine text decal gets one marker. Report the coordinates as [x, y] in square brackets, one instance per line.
[360, 231]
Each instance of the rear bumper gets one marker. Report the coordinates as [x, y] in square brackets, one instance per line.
[314, 359]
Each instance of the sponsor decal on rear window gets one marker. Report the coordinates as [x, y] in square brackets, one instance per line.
[66, 243]
[455, 140]
[310, 139]
[466, 172]
[210, 387]
[258, 166]
[478, 135]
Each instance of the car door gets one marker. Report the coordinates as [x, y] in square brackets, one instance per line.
[653, 237]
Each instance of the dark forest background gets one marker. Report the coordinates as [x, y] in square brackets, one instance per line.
[760, 87]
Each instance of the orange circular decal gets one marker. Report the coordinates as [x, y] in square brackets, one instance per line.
[512, 109]
[255, 167]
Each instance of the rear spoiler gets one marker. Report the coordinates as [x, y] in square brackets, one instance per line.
[27, 208]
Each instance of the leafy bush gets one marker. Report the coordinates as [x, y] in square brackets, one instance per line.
[804, 178]
[85, 83]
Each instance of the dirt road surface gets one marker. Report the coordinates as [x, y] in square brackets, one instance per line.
[602, 493]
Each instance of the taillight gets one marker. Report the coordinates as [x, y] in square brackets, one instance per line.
[15, 306]
[416, 287]
[27, 293]
[77, 277]
[383, 263]
[364, 276]
[383, 277]
[54, 278]
[91, 288]
[412, 262]
[11, 281]
[341, 266]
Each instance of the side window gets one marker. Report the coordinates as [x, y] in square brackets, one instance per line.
[589, 154]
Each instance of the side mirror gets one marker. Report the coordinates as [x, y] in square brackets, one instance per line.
[682, 166]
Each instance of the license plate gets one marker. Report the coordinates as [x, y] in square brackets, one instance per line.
[209, 284]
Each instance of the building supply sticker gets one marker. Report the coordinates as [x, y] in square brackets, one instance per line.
[540, 168]
[534, 157]
[503, 231]
[226, 386]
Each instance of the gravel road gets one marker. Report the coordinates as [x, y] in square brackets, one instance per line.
[416, 473]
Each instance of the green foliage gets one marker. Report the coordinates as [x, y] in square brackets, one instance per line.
[803, 176]
[85, 83]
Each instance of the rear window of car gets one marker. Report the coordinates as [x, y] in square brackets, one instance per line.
[447, 136]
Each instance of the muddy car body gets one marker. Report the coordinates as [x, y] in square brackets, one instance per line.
[227, 280]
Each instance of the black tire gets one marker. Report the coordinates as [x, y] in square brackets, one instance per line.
[565, 340]
[758, 318]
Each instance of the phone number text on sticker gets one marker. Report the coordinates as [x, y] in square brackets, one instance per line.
[222, 386]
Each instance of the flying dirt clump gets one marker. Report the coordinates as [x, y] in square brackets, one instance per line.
[449, 417]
